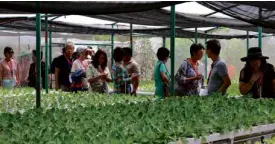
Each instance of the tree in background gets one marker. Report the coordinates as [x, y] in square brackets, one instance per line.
[145, 57]
[182, 51]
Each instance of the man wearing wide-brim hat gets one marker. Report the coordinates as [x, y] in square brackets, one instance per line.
[257, 77]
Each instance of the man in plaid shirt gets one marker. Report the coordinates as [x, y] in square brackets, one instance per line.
[120, 75]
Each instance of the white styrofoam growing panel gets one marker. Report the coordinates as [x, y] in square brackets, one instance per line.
[229, 135]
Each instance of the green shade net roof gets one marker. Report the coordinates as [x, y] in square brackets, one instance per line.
[260, 13]
[81, 7]
[62, 27]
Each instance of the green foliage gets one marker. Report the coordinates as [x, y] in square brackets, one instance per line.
[119, 38]
[122, 38]
[149, 86]
[24, 99]
[233, 90]
[96, 118]
[267, 141]
[270, 141]
[102, 37]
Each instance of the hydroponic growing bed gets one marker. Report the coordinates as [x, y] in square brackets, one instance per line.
[94, 118]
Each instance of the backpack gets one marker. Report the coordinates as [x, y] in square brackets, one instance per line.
[77, 76]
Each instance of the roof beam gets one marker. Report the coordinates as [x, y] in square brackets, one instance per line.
[206, 15]
[211, 29]
[112, 23]
[263, 18]
[56, 17]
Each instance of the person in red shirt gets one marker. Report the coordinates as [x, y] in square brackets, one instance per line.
[231, 71]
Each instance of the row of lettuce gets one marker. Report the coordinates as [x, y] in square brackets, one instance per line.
[96, 118]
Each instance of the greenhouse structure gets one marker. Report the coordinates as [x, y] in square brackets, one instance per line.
[244, 119]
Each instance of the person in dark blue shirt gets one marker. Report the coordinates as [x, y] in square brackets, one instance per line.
[63, 65]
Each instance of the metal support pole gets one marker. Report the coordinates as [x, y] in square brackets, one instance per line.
[19, 42]
[205, 60]
[196, 35]
[260, 30]
[260, 37]
[51, 55]
[46, 55]
[247, 41]
[163, 41]
[112, 46]
[172, 48]
[131, 37]
[38, 56]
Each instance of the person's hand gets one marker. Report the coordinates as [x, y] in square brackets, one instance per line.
[167, 94]
[90, 52]
[134, 76]
[198, 77]
[255, 77]
[103, 76]
[26, 80]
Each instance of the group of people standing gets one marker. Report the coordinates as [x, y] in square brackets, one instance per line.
[81, 73]
[85, 70]
[10, 72]
[256, 78]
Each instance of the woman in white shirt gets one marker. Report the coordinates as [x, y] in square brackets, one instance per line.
[98, 74]
[81, 63]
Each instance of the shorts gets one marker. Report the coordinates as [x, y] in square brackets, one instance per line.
[8, 83]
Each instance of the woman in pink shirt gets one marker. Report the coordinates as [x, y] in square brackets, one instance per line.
[9, 71]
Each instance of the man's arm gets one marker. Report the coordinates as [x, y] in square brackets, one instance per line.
[137, 79]
[165, 78]
[223, 72]
[225, 85]
[136, 84]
